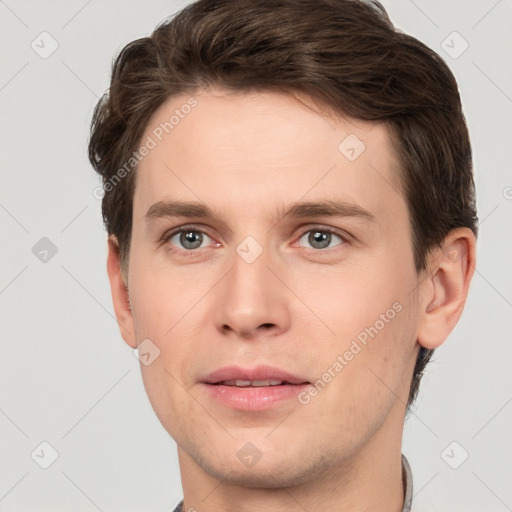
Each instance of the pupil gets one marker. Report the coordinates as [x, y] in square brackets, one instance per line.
[191, 239]
[319, 240]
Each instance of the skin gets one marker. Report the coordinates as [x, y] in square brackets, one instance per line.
[297, 306]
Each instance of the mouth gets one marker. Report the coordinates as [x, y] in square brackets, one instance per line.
[240, 383]
[257, 389]
[258, 376]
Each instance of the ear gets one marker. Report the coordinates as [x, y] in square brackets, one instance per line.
[445, 289]
[120, 295]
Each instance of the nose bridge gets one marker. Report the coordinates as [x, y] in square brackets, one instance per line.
[251, 295]
[249, 278]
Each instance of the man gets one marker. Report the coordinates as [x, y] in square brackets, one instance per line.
[291, 217]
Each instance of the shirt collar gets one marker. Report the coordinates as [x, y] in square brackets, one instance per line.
[407, 482]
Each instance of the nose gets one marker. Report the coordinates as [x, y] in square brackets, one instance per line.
[251, 300]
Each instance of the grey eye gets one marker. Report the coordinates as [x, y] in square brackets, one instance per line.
[320, 239]
[189, 239]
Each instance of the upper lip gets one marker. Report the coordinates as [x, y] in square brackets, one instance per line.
[257, 373]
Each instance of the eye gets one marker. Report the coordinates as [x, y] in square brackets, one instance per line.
[321, 238]
[189, 239]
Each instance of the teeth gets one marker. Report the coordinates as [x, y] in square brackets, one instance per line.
[254, 383]
[266, 382]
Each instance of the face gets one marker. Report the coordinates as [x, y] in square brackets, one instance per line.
[271, 274]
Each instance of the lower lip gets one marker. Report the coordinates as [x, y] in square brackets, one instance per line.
[254, 398]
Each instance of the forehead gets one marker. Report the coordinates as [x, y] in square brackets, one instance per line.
[228, 148]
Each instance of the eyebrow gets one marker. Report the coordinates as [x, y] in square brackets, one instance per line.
[327, 208]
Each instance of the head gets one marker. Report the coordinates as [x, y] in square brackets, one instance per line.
[245, 108]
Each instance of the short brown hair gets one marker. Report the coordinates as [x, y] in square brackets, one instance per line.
[346, 54]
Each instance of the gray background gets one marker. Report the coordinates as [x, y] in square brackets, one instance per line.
[68, 379]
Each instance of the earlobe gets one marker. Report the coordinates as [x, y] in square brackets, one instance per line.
[120, 295]
[445, 290]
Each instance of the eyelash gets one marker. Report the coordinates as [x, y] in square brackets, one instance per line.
[194, 252]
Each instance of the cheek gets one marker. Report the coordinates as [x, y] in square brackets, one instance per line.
[367, 367]
[164, 314]
[161, 295]
[352, 297]
[371, 315]
[168, 307]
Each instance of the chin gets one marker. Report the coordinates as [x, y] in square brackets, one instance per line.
[262, 478]
[267, 474]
